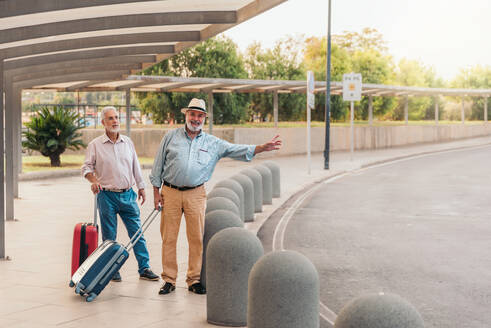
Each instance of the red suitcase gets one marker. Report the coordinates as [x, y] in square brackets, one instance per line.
[85, 240]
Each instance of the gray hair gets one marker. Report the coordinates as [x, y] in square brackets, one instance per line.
[107, 109]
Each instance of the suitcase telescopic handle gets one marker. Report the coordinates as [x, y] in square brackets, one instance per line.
[139, 233]
[95, 209]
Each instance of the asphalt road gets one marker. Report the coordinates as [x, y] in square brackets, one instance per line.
[419, 228]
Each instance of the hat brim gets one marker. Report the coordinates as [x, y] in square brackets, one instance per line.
[185, 109]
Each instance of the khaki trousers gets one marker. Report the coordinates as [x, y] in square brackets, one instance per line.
[193, 204]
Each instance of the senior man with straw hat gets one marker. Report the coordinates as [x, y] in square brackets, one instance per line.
[184, 161]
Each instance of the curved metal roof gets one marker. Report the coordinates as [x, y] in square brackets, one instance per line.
[36, 36]
[139, 83]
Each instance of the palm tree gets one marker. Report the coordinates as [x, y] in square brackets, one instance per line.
[51, 132]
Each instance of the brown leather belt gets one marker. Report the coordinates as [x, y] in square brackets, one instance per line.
[170, 185]
[116, 190]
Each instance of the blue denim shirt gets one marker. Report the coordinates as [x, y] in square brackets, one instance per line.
[183, 161]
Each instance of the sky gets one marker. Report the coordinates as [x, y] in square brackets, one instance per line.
[446, 35]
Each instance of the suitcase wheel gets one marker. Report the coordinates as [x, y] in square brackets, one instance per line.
[78, 290]
[91, 297]
[71, 284]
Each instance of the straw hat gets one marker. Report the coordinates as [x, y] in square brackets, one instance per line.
[195, 104]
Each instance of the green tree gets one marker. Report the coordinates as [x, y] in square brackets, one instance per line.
[376, 68]
[214, 58]
[364, 53]
[415, 73]
[282, 62]
[315, 61]
[52, 131]
[367, 39]
[64, 98]
[477, 77]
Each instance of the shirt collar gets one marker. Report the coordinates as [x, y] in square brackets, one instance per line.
[187, 135]
[105, 138]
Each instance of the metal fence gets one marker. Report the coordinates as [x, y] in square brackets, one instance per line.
[90, 113]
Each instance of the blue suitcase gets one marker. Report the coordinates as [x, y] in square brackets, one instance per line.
[96, 271]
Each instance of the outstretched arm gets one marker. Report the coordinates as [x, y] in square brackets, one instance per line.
[274, 144]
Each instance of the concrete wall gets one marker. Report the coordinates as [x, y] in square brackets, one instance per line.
[294, 139]
[147, 141]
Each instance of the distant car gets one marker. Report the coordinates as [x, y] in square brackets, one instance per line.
[86, 122]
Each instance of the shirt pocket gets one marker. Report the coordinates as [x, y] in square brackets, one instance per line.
[204, 157]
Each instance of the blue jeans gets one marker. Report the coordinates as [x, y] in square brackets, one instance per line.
[111, 203]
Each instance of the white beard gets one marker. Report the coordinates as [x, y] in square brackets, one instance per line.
[192, 128]
[114, 130]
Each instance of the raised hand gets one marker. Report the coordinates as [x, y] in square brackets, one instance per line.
[274, 144]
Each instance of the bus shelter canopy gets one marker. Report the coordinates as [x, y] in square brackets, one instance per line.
[142, 83]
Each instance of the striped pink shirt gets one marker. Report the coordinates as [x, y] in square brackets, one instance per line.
[115, 165]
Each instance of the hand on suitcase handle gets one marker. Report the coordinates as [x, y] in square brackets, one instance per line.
[158, 199]
[95, 187]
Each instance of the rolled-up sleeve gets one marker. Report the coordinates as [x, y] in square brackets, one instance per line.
[89, 163]
[239, 152]
[158, 164]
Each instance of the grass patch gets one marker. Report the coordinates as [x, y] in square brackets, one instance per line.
[41, 163]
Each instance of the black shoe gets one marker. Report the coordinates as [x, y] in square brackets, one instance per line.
[116, 277]
[197, 288]
[147, 274]
[167, 288]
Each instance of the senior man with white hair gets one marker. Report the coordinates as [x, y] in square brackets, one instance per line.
[185, 160]
[112, 168]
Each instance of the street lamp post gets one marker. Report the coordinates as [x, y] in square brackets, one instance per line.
[328, 88]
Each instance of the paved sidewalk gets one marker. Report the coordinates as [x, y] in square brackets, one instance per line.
[34, 284]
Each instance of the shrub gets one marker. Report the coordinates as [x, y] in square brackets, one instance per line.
[52, 131]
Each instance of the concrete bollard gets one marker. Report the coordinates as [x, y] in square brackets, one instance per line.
[231, 254]
[275, 171]
[214, 222]
[221, 203]
[267, 179]
[227, 193]
[237, 188]
[283, 292]
[379, 310]
[248, 186]
[258, 188]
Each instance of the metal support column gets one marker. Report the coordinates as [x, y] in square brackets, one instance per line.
[486, 109]
[210, 112]
[275, 108]
[328, 90]
[2, 163]
[370, 110]
[352, 129]
[436, 110]
[9, 152]
[462, 112]
[17, 130]
[406, 110]
[78, 101]
[128, 112]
